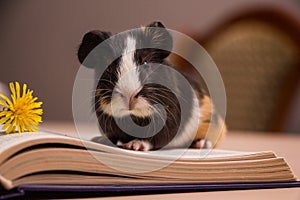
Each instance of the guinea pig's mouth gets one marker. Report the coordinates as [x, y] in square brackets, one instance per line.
[119, 108]
[139, 112]
[136, 112]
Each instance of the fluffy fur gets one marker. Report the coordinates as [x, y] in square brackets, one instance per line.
[125, 93]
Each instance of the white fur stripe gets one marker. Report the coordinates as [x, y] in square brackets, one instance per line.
[190, 130]
[128, 81]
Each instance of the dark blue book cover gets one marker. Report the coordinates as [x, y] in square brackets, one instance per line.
[84, 191]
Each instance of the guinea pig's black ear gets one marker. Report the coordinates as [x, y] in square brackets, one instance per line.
[156, 24]
[160, 38]
[89, 42]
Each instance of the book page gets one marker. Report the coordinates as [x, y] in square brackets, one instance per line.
[12, 143]
[207, 153]
[10, 140]
[17, 141]
[180, 153]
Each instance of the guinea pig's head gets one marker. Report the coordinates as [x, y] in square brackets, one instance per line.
[121, 90]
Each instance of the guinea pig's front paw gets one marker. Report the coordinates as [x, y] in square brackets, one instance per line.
[201, 144]
[138, 145]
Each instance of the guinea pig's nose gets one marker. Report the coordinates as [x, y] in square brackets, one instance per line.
[132, 101]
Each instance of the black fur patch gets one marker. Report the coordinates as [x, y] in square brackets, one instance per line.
[148, 59]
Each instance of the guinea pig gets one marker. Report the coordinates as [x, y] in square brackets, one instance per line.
[141, 101]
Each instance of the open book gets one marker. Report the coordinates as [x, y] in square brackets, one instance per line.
[52, 159]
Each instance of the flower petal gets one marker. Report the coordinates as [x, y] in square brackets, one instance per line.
[18, 90]
[9, 103]
[12, 89]
[24, 90]
[3, 103]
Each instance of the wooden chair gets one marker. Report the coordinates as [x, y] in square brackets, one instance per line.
[258, 55]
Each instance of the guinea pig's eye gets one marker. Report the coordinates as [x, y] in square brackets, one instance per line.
[146, 64]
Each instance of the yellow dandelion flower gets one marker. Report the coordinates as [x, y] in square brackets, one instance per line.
[21, 113]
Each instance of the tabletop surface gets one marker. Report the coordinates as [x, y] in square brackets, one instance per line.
[283, 144]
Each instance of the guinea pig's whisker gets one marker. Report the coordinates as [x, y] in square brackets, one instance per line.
[107, 81]
[167, 91]
[162, 89]
[181, 97]
[154, 124]
[108, 123]
[98, 109]
[157, 95]
[103, 90]
[103, 94]
[169, 112]
[170, 101]
[160, 116]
